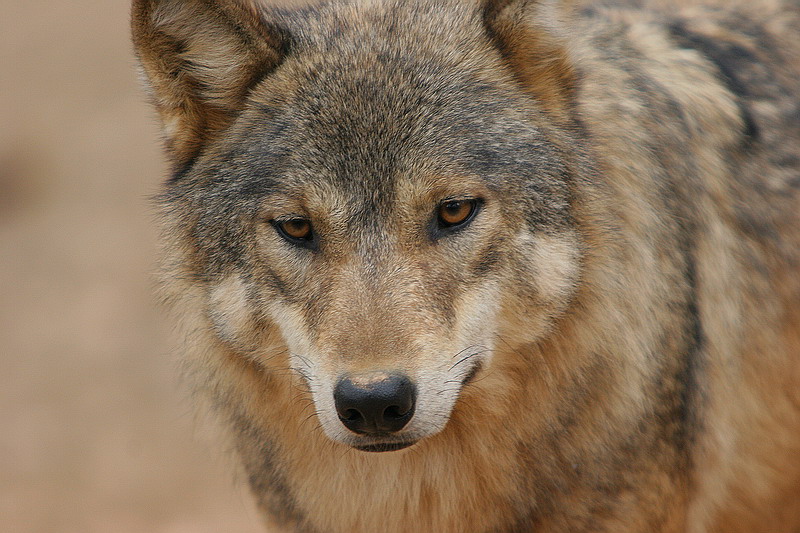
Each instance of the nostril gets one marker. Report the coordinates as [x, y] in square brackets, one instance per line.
[394, 412]
[351, 415]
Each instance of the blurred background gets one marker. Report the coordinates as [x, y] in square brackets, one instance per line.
[97, 434]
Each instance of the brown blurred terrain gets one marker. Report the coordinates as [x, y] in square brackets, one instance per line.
[96, 432]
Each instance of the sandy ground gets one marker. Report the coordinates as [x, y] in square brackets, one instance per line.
[96, 432]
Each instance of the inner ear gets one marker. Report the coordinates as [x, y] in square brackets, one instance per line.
[201, 59]
[524, 33]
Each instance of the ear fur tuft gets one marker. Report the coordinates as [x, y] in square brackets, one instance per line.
[523, 32]
[201, 58]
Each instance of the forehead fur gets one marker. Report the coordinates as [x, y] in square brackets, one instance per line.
[355, 99]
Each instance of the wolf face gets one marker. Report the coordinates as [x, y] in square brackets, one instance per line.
[361, 204]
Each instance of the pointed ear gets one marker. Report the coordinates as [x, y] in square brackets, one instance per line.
[525, 33]
[201, 58]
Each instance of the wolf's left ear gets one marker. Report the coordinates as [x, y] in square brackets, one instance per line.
[201, 58]
[525, 33]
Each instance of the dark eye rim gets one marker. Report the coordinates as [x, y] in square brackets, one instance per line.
[443, 228]
[309, 242]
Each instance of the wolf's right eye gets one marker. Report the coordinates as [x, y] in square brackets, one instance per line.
[295, 230]
[453, 214]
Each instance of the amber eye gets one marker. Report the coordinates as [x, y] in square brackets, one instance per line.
[295, 229]
[456, 212]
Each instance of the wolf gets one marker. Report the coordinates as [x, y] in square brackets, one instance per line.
[489, 266]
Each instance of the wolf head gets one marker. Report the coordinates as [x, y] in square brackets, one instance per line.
[368, 195]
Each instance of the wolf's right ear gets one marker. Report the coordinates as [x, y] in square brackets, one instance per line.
[201, 58]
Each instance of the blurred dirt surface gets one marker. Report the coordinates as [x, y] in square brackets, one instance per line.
[97, 434]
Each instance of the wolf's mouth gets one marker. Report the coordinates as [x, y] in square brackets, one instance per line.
[385, 447]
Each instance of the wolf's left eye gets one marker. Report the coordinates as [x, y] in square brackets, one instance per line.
[455, 213]
[295, 230]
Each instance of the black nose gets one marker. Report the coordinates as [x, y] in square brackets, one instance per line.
[375, 404]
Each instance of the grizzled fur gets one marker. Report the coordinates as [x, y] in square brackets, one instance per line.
[613, 342]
